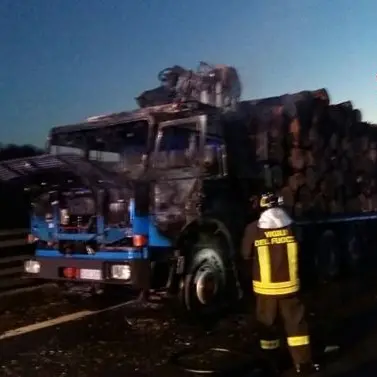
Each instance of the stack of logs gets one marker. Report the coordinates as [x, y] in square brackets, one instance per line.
[320, 157]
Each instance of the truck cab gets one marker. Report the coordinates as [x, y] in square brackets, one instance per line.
[130, 188]
[85, 216]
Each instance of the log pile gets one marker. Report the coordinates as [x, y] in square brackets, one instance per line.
[322, 158]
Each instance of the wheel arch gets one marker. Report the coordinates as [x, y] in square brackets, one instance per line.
[189, 237]
[210, 226]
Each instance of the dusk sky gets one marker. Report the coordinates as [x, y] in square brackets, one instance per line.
[64, 60]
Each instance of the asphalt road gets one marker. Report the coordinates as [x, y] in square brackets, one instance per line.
[42, 334]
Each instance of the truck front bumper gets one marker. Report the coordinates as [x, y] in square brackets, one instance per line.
[102, 267]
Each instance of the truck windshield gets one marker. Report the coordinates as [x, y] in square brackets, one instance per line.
[121, 148]
[178, 147]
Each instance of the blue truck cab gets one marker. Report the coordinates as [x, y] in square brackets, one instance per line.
[117, 194]
[90, 219]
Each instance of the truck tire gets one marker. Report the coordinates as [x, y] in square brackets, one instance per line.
[204, 289]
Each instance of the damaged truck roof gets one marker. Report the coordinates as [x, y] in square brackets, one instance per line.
[159, 113]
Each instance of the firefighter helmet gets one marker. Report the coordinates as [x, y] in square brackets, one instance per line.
[270, 200]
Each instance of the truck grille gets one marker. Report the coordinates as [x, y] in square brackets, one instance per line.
[118, 215]
[79, 224]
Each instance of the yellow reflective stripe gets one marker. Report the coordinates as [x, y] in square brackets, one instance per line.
[281, 288]
[292, 260]
[296, 341]
[265, 286]
[270, 344]
[264, 263]
[275, 292]
[276, 285]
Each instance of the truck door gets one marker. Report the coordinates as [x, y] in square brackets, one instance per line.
[178, 164]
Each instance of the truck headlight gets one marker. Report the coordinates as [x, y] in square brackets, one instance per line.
[32, 267]
[120, 271]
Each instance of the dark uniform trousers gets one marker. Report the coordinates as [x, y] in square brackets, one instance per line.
[292, 312]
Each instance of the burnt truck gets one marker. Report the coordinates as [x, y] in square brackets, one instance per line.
[149, 186]
[175, 182]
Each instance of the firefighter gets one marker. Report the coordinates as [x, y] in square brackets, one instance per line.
[272, 248]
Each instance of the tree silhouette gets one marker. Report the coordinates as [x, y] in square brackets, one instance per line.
[11, 151]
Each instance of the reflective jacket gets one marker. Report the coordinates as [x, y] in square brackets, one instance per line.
[271, 244]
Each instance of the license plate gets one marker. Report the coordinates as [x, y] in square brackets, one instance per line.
[90, 274]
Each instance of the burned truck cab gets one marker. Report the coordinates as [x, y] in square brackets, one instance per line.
[102, 214]
[87, 219]
[136, 188]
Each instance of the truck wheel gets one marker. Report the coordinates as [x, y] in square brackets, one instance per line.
[203, 290]
[327, 257]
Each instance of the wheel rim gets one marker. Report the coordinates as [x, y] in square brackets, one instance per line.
[206, 284]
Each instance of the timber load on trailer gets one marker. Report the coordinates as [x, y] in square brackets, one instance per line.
[320, 157]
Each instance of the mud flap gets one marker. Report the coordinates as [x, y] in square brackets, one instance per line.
[141, 274]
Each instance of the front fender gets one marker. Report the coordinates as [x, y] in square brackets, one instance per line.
[207, 225]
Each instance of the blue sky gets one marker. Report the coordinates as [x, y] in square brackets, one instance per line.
[64, 60]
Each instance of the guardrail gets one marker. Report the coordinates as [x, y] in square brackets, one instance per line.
[14, 250]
